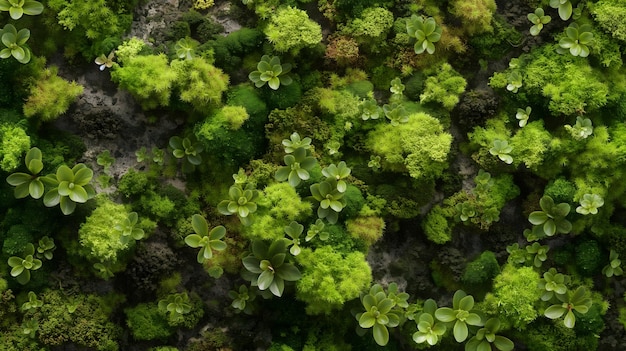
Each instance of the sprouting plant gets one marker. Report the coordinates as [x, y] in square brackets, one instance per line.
[266, 267]
[515, 81]
[316, 228]
[21, 267]
[517, 255]
[176, 305]
[396, 114]
[297, 167]
[537, 253]
[30, 327]
[105, 160]
[242, 299]
[465, 210]
[538, 19]
[270, 71]
[17, 8]
[293, 231]
[45, 247]
[502, 149]
[15, 43]
[105, 61]
[577, 38]
[523, 115]
[578, 301]
[486, 337]
[590, 204]
[333, 147]
[127, 229]
[551, 219]
[564, 7]
[461, 313]
[379, 314]
[396, 86]
[69, 187]
[370, 109]
[104, 270]
[185, 48]
[581, 130]
[240, 177]
[339, 173]
[331, 200]
[428, 328]
[425, 31]
[374, 162]
[141, 154]
[187, 149]
[32, 303]
[399, 298]
[614, 267]
[29, 184]
[241, 202]
[205, 240]
[295, 142]
[552, 284]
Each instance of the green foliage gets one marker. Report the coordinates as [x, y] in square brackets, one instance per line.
[515, 294]
[14, 142]
[51, 96]
[428, 329]
[553, 284]
[476, 15]
[369, 229]
[267, 267]
[185, 48]
[14, 42]
[99, 241]
[293, 231]
[269, 70]
[205, 240]
[419, 147]
[564, 7]
[614, 268]
[297, 167]
[425, 31]
[578, 301]
[381, 313]
[538, 19]
[149, 79]
[69, 186]
[21, 267]
[589, 204]
[551, 219]
[18, 8]
[29, 184]
[188, 150]
[462, 314]
[147, 323]
[502, 149]
[199, 83]
[445, 87]
[83, 320]
[481, 270]
[571, 85]
[523, 115]
[127, 229]
[175, 306]
[611, 16]
[242, 202]
[283, 205]
[577, 39]
[486, 336]
[291, 29]
[330, 278]
[243, 299]
[45, 247]
[331, 200]
[436, 225]
[581, 130]
[129, 49]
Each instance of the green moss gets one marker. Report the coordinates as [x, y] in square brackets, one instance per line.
[436, 225]
[560, 190]
[481, 270]
[51, 96]
[146, 322]
[134, 183]
[589, 258]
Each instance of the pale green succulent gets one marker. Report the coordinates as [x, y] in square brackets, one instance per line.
[29, 184]
[577, 40]
[502, 149]
[538, 19]
[205, 240]
[523, 115]
[271, 71]
[564, 7]
[15, 43]
[589, 204]
[425, 31]
[18, 8]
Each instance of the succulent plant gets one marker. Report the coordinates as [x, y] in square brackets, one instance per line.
[271, 71]
[266, 267]
[297, 167]
[614, 268]
[564, 7]
[18, 8]
[486, 337]
[581, 130]
[538, 19]
[185, 48]
[127, 229]
[29, 184]
[241, 202]
[105, 61]
[293, 231]
[315, 229]
[21, 267]
[578, 301]
[15, 43]
[577, 39]
[338, 173]
[45, 247]
[32, 303]
[69, 186]
[205, 240]
[330, 199]
[462, 314]
[370, 109]
[425, 31]
[242, 299]
[551, 219]
[589, 204]
[380, 314]
[523, 115]
[502, 149]
[295, 142]
[176, 306]
[188, 150]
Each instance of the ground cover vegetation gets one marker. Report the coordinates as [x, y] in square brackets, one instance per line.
[327, 175]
